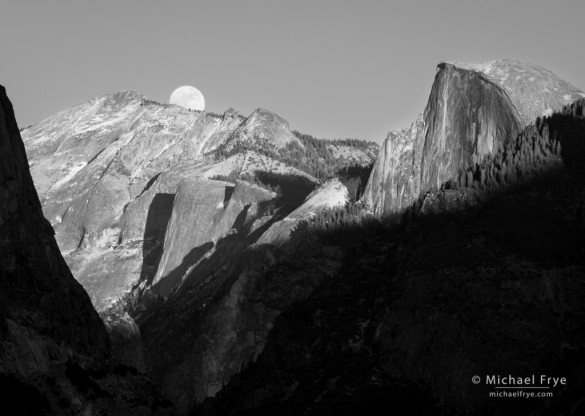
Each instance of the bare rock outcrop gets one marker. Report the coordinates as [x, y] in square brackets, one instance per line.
[262, 128]
[90, 161]
[472, 111]
[394, 182]
[112, 174]
[203, 212]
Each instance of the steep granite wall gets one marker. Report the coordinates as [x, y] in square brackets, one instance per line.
[472, 111]
[393, 183]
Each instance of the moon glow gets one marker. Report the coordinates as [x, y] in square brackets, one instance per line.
[188, 97]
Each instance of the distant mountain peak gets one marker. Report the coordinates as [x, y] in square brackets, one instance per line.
[262, 130]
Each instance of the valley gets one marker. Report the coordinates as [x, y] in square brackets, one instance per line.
[236, 266]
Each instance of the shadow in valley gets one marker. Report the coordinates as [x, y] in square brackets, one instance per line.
[209, 279]
[292, 189]
[355, 179]
[225, 252]
[420, 307]
[173, 279]
[401, 317]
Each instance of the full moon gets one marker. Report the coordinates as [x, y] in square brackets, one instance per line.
[188, 97]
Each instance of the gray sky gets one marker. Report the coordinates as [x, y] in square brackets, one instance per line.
[332, 68]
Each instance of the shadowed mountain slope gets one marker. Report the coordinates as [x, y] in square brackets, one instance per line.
[38, 290]
[54, 348]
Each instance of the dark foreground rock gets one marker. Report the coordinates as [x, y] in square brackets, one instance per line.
[54, 349]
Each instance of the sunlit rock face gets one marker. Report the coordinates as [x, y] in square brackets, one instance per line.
[472, 111]
[203, 212]
[393, 183]
[107, 172]
[90, 161]
[467, 117]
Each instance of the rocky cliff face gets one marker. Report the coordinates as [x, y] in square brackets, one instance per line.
[54, 348]
[108, 171]
[394, 179]
[155, 222]
[219, 319]
[203, 212]
[472, 111]
[196, 344]
[90, 161]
